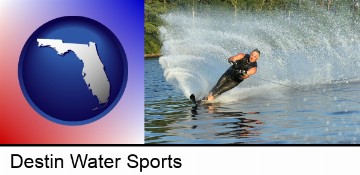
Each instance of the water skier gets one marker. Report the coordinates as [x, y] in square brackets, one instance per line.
[243, 66]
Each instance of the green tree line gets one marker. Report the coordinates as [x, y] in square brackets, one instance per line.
[154, 9]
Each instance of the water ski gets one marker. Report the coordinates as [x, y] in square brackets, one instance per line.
[198, 102]
[192, 98]
[194, 108]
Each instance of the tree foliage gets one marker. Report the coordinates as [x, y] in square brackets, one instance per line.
[154, 8]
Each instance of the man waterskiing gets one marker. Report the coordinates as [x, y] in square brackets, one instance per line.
[243, 66]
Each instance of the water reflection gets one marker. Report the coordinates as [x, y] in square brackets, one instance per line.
[210, 123]
[237, 127]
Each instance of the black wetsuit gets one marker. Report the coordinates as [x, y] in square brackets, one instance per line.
[232, 77]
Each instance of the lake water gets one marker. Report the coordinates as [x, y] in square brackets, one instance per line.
[322, 114]
[306, 89]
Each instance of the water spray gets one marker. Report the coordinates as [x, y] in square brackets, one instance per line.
[309, 48]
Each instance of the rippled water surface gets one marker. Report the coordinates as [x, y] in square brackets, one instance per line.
[317, 114]
[306, 88]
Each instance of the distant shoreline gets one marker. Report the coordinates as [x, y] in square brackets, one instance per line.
[153, 55]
